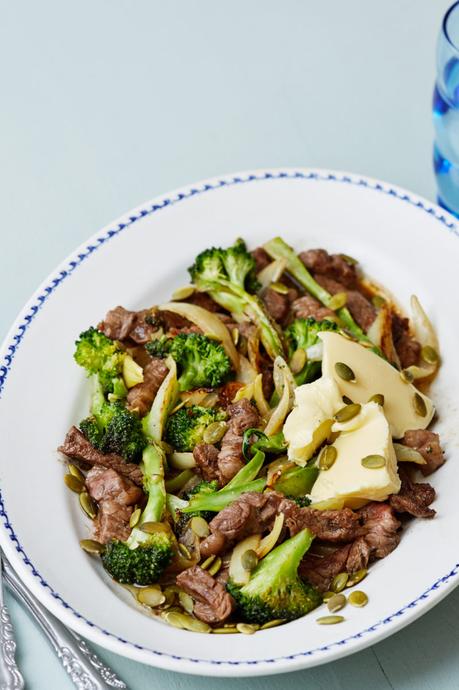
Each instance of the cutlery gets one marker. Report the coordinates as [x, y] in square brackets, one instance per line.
[10, 676]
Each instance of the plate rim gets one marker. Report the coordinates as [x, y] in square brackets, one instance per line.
[9, 541]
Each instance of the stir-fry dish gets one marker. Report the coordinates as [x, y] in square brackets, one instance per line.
[253, 444]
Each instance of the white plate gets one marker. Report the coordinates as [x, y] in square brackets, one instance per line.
[405, 242]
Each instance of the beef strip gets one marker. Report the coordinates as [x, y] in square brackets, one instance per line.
[206, 458]
[407, 348]
[202, 299]
[379, 528]
[307, 306]
[320, 571]
[77, 447]
[227, 392]
[242, 416]
[262, 259]
[328, 525]
[267, 380]
[331, 265]
[141, 396]
[428, 444]
[361, 309]
[277, 305]
[413, 498]
[213, 603]
[121, 324]
[116, 497]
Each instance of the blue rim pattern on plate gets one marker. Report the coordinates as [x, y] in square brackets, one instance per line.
[76, 261]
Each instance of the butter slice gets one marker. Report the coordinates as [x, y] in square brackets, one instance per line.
[309, 423]
[373, 374]
[367, 434]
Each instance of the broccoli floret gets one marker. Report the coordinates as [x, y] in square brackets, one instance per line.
[302, 334]
[114, 429]
[184, 428]
[268, 444]
[228, 276]
[100, 355]
[203, 487]
[275, 591]
[301, 501]
[201, 361]
[142, 559]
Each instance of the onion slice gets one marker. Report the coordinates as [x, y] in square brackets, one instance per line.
[271, 273]
[182, 461]
[259, 397]
[270, 541]
[426, 336]
[406, 454]
[285, 404]
[164, 400]
[238, 574]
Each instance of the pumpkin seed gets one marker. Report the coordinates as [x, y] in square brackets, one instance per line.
[73, 483]
[214, 432]
[329, 620]
[378, 301]
[195, 625]
[249, 559]
[337, 301]
[406, 376]
[344, 372]
[247, 628]
[73, 469]
[186, 601]
[174, 618]
[235, 335]
[349, 259]
[272, 624]
[280, 288]
[327, 596]
[88, 505]
[419, 405]
[327, 457]
[225, 631]
[200, 527]
[347, 400]
[336, 603]
[184, 551]
[215, 567]
[153, 527]
[378, 398]
[358, 598]
[208, 562]
[91, 546]
[151, 596]
[182, 293]
[135, 517]
[339, 582]
[345, 414]
[169, 595]
[357, 577]
[297, 361]
[373, 462]
[429, 354]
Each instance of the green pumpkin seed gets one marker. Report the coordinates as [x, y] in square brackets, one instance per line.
[151, 596]
[174, 618]
[329, 620]
[200, 527]
[327, 596]
[344, 372]
[357, 577]
[347, 400]
[208, 562]
[272, 624]
[358, 598]
[88, 505]
[170, 594]
[378, 398]
[135, 517]
[297, 361]
[195, 625]
[419, 405]
[214, 432]
[182, 293]
[235, 335]
[339, 582]
[337, 301]
[349, 259]
[184, 550]
[225, 631]
[336, 603]
[186, 602]
[429, 354]
[378, 301]
[247, 628]
[249, 559]
[153, 527]
[406, 376]
[73, 469]
[373, 462]
[327, 457]
[279, 288]
[91, 546]
[345, 414]
[73, 483]
[215, 567]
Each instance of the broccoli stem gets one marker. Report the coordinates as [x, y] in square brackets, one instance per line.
[153, 482]
[248, 472]
[220, 499]
[278, 249]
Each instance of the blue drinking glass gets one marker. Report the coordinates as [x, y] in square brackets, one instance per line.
[445, 109]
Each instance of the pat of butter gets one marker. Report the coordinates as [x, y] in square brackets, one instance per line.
[373, 374]
[309, 423]
[366, 434]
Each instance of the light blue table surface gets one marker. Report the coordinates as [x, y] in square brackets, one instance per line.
[106, 103]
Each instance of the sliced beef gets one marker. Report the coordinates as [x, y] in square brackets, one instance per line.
[277, 305]
[320, 571]
[361, 309]
[267, 380]
[213, 603]
[320, 262]
[428, 444]
[407, 347]
[202, 299]
[173, 323]
[358, 556]
[141, 396]
[227, 392]
[379, 528]
[77, 447]
[413, 498]
[242, 416]
[307, 306]
[112, 522]
[121, 324]
[262, 259]
[206, 458]
[328, 525]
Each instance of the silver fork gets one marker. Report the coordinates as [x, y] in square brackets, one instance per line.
[10, 675]
[85, 669]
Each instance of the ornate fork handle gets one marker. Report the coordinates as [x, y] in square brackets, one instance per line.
[83, 666]
[13, 679]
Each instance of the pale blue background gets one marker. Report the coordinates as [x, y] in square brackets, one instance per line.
[105, 103]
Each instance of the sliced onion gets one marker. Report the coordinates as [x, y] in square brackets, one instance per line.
[208, 323]
[194, 397]
[380, 333]
[246, 373]
[182, 461]
[271, 273]
[426, 336]
[164, 400]
[132, 372]
[406, 454]
[285, 404]
[244, 392]
[270, 541]
[259, 397]
[253, 349]
[276, 468]
[237, 573]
